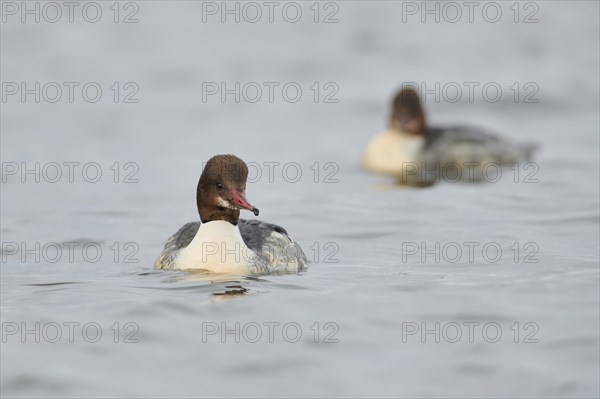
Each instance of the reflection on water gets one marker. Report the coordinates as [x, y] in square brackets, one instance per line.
[232, 291]
[217, 284]
[222, 285]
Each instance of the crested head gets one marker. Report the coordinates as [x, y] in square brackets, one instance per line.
[407, 112]
[221, 191]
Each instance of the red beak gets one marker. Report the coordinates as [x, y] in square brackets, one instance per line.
[239, 200]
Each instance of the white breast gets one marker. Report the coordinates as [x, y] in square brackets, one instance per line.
[218, 247]
[390, 152]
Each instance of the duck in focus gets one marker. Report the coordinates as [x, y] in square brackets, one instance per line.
[222, 242]
[415, 153]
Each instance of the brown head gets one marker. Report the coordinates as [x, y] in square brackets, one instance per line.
[221, 190]
[407, 112]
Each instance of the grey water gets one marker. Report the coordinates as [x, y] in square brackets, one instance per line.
[461, 289]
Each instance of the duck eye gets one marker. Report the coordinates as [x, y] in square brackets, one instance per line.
[219, 185]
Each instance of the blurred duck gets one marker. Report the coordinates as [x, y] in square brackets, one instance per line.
[415, 153]
[222, 242]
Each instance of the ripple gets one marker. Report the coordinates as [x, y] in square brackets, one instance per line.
[31, 383]
[51, 284]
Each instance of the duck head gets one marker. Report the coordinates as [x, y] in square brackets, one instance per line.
[407, 113]
[221, 192]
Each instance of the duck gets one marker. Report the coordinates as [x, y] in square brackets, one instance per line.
[221, 242]
[416, 153]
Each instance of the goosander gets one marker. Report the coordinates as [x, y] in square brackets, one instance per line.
[222, 242]
[415, 153]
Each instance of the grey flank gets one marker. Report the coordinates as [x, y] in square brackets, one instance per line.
[469, 147]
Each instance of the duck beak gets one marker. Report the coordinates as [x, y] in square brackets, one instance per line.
[239, 200]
